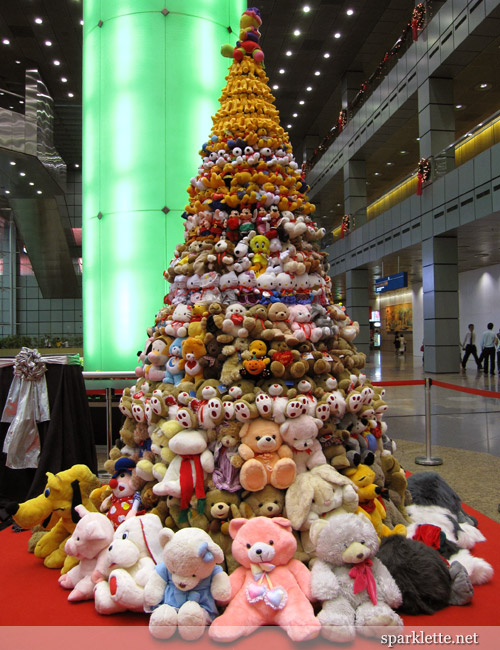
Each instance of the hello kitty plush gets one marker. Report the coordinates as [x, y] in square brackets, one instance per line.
[193, 286]
[302, 325]
[249, 294]
[228, 285]
[266, 283]
[284, 287]
[210, 288]
[181, 317]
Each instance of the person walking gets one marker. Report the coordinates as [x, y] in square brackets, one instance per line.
[402, 344]
[488, 347]
[396, 343]
[469, 347]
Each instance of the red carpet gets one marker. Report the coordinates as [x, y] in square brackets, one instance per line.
[31, 596]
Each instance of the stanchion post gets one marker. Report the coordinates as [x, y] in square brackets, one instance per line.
[109, 419]
[428, 459]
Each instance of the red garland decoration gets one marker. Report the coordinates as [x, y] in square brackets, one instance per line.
[417, 20]
[423, 174]
[347, 223]
[342, 121]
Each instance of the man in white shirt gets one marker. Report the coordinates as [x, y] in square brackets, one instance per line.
[469, 346]
[488, 346]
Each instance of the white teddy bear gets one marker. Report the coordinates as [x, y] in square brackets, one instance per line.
[233, 321]
[301, 435]
[357, 591]
[122, 573]
[183, 590]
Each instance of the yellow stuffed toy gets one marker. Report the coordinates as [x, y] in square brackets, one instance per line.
[55, 510]
[369, 503]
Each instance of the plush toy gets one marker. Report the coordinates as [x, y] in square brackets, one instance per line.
[355, 588]
[213, 360]
[125, 500]
[270, 587]
[301, 324]
[301, 435]
[279, 315]
[231, 370]
[183, 590]
[148, 470]
[178, 325]
[427, 583]
[91, 538]
[225, 448]
[220, 508]
[193, 350]
[188, 471]
[257, 323]
[267, 460]
[369, 502]
[331, 441]
[205, 410]
[286, 362]
[321, 492]
[268, 502]
[273, 400]
[54, 508]
[233, 322]
[122, 573]
[157, 357]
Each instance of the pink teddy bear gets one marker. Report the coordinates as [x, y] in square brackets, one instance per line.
[270, 587]
[301, 324]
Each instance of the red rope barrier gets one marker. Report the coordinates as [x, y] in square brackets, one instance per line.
[410, 382]
[463, 389]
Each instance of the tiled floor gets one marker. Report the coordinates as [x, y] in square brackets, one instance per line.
[458, 419]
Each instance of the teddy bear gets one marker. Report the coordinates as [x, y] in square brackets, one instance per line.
[123, 571]
[233, 352]
[178, 517]
[225, 447]
[192, 351]
[257, 323]
[163, 456]
[266, 459]
[279, 314]
[268, 502]
[221, 507]
[301, 435]
[270, 587]
[273, 399]
[205, 410]
[331, 441]
[213, 360]
[188, 471]
[92, 535]
[301, 324]
[369, 504]
[321, 492]
[233, 323]
[356, 590]
[286, 362]
[182, 592]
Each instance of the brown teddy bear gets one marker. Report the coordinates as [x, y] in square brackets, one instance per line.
[268, 502]
[213, 360]
[257, 323]
[286, 362]
[220, 507]
[332, 442]
[266, 459]
[234, 353]
[279, 314]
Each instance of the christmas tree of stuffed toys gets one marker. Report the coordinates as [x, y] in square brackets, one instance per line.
[249, 384]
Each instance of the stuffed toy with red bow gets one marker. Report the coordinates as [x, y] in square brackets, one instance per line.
[125, 500]
[357, 591]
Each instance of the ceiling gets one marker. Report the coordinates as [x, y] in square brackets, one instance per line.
[364, 37]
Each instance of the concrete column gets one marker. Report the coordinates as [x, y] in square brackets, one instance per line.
[436, 123]
[355, 190]
[440, 287]
[357, 305]
[351, 83]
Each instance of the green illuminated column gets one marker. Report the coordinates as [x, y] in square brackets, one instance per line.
[153, 74]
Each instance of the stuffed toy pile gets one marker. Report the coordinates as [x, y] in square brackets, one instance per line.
[251, 429]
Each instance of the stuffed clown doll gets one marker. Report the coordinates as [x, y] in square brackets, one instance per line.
[125, 500]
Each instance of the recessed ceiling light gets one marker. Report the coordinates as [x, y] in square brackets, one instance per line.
[39, 191]
[38, 21]
[31, 183]
[12, 163]
[403, 152]
[275, 87]
[56, 62]
[64, 80]
[350, 12]
[377, 174]
[295, 115]
[7, 191]
[309, 88]
[317, 73]
[460, 107]
[306, 9]
[483, 86]
[326, 55]
[389, 164]
[6, 41]
[337, 35]
[301, 102]
[48, 43]
[18, 62]
[296, 32]
[289, 52]
[71, 95]
[11, 108]
[77, 165]
[22, 173]
[21, 101]
[417, 139]
[281, 70]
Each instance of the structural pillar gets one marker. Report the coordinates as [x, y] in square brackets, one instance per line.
[440, 287]
[351, 84]
[357, 305]
[355, 190]
[153, 74]
[436, 124]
